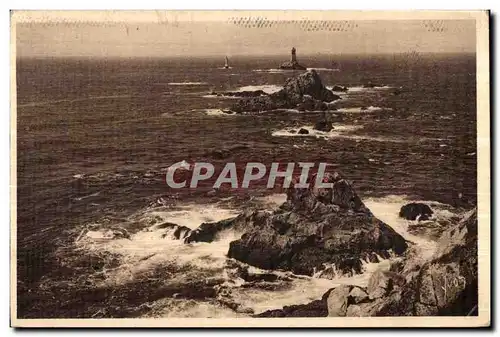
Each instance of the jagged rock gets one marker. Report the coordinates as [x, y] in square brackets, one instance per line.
[338, 300]
[446, 285]
[257, 104]
[458, 235]
[362, 310]
[207, 232]
[305, 92]
[172, 230]
[303, 238]
[382, 283]
[316, 308]
[308, 83]
[303, 131]
[315, 229]
[358, 295]
[415, 210]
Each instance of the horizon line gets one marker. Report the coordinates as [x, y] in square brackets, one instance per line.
[237, 55]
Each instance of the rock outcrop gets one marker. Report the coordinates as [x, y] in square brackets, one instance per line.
[289, 65]
[316, 229]
[416, 210]
[447, 284]
[305, 92]
[172, 231]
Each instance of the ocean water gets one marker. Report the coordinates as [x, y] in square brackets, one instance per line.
[95, 137]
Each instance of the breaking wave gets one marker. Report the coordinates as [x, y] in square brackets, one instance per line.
[267, 88]
[155, 248]
[362, 109]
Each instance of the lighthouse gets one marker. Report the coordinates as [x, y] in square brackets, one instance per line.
[294, 56]
[292, 64]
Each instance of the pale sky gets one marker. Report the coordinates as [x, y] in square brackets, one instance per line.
[204, 38]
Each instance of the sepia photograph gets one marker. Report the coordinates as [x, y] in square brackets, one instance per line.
[250, 168]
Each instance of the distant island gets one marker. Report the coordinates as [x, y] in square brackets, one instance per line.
[292, 64]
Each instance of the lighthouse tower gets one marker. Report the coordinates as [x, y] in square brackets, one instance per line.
[292, 64]
[294, 56]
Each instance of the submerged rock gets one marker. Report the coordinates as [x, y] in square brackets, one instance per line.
[339, 88]
[415, 210]
[250, 93]
[303, 131]
[371, 85]
[324, 124]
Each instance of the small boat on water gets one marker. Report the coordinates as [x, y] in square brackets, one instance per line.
[226, 65]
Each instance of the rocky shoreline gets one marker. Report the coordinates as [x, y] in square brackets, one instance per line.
[446, 285]
[330, 233]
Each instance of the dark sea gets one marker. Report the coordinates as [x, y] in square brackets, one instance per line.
[95, 136]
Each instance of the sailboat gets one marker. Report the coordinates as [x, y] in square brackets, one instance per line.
[226, 65]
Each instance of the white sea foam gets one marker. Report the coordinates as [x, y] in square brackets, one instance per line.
[149, 248]
[273, 201]
[324, 69]
[220, 96]
[361, 88]
[192, 216]
[214, 112]
[182, 308]
[276, 70]
[336, 132]
[387, 209]
[339, 131]
[267, 88]
[187, 83]
[362, 109]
